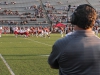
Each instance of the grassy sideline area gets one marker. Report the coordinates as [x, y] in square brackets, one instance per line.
[26, 56]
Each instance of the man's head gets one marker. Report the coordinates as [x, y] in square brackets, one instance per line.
[84, 16]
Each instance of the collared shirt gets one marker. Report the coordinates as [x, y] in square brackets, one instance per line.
[76, 54]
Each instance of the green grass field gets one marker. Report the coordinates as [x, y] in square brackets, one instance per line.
[26, 56]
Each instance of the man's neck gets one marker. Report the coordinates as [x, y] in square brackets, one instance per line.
[78, 28]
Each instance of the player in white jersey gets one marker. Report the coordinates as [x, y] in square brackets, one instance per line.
[46, 32]
[16, 31]
[27, 32]
[0, 31]
[22, 32]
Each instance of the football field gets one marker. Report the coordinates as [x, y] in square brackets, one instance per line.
[26, 56]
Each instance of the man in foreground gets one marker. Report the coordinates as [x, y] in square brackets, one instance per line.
[79, 52]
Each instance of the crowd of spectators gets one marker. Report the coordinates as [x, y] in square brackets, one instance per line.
[6, 3]
[55, 15]
[9, 12]
[23, 17]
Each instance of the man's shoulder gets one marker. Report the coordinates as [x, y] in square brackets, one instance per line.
[70, 33]
[64, 40]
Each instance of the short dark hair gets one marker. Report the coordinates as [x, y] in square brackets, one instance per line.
[86, 16]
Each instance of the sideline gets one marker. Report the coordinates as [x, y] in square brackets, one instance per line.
[38, 42]
[10, 70]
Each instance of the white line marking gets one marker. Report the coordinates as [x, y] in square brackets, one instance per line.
[40, 42]
[10, 70]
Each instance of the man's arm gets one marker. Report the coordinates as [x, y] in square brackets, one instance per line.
[53, 58]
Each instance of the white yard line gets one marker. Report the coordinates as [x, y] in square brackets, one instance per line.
[39, 42]
[10, 70]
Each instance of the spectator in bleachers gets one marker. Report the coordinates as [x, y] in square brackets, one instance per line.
[98, 20]
[5, 3]
[16, 13]
[33, 19]
[13, 2]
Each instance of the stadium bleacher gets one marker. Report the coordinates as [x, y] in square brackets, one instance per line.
[22, 7]
[58, 8]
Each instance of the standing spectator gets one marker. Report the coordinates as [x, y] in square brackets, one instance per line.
[11, 30]
[79, 52]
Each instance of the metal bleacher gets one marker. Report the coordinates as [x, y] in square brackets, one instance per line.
[21, 6]
[59, 4]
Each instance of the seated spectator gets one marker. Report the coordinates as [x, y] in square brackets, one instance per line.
[33, 19]
[13, 2]
[59, 2]
[44, 22]
[5, 3]
[28, 16]
[16, 13]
